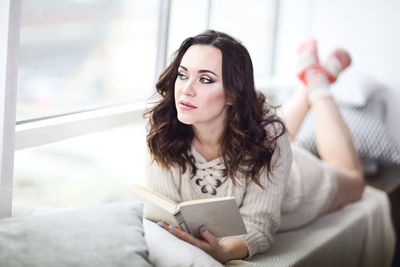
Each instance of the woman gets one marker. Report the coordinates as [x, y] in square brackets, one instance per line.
[212, 134]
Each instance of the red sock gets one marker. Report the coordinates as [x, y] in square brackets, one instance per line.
[307, 58]
[338, 60]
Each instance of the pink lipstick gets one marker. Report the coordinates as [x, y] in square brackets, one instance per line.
[184, 105]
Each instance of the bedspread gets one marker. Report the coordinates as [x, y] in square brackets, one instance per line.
[359, 234]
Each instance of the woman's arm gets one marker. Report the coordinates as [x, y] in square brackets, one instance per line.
[261, 207]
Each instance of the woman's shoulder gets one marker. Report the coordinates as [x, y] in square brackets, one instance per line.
[276, 129]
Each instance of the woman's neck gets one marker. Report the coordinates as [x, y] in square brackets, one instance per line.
[207, 142]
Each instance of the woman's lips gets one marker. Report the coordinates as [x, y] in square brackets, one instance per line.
[186, 105]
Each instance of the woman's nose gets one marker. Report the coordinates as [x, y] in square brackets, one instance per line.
[188, 88]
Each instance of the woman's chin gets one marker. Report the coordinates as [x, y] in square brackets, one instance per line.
[185, 120]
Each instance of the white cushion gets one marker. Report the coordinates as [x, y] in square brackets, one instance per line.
[367, 125]
[167, 250]
[104, 235]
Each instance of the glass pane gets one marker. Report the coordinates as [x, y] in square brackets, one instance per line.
[77, 55]
[86, 170]
[187, 18]
[252, 22]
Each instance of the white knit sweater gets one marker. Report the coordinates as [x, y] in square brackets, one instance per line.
[260, 208]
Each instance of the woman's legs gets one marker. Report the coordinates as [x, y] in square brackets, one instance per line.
[294, 112]
[333, 138]
[296, 109]
[336, 148]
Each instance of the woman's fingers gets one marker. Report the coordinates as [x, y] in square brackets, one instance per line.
[173, 229]
[164, 225]
[188, 238]
[202, 244]
[208, 243]
[208, 237]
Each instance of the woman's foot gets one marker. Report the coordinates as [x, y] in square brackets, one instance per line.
[307, 60]
[311, 73]
[338, 60]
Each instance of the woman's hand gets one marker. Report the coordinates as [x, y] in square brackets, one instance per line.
[229, 249]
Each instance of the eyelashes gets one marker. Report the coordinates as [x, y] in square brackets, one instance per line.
[182, 76]
[206, 80]
[203, 79]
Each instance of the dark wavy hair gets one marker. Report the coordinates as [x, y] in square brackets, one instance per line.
[251, 130]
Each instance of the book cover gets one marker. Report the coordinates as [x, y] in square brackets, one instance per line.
[220, 215]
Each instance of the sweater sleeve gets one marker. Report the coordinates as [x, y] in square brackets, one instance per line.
[261, 207]
[162, 181]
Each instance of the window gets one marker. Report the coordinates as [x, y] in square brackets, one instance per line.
[76, 56]
[187, 18]
[253, 24]
[85, 170]
[80, 55]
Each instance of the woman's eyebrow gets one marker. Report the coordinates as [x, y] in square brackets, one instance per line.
[200, 71]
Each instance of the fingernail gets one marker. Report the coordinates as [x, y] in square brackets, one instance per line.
[160, 224]
[171, 227]
[203, 229]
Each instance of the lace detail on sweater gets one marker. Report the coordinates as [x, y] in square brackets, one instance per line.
[210, 178]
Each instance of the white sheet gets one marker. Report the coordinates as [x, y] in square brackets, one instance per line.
[360, 234]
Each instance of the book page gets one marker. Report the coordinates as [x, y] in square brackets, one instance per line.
[152, 194]
[156, 207]
[204, 200]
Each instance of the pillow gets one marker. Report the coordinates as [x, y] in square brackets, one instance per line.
[367, 126]
[167, 250]
[104, 235]
[362, 85]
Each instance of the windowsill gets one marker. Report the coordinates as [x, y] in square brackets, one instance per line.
[56, 129]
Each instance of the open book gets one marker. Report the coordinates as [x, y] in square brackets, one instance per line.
[220, 215]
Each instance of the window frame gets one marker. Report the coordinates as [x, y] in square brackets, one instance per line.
[50, 130]
[10, 19]
[46, 131]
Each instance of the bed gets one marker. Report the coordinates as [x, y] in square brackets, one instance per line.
[115, 234]
[360, 234]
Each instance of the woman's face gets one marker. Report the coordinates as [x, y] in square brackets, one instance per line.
[199, 91]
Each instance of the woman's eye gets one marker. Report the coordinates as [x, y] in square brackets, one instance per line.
[182, 76]
[206, 80]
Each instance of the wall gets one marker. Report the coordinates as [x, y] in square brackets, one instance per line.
[369, 29]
